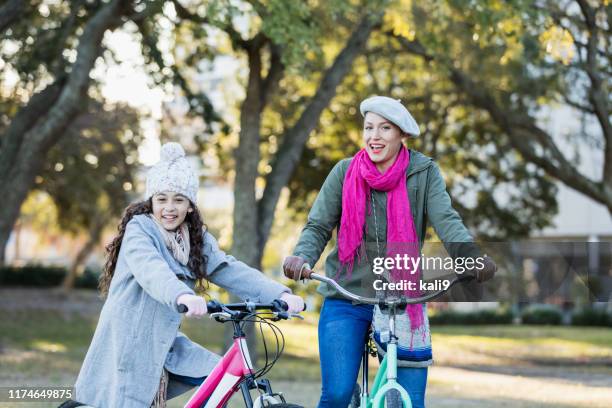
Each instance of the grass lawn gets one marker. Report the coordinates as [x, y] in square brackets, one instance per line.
[475, 366]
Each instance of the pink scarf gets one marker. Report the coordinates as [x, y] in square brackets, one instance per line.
[361, 176]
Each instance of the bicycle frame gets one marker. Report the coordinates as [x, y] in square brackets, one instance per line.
[386, 377]
[233, 372]
[220, 385]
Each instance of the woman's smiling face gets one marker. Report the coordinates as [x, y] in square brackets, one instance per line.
[170, 209]
[382, 139]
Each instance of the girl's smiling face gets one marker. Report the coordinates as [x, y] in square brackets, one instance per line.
[170, 209]
[382, 139]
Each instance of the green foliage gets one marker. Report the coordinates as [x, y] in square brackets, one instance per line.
[35, 275]
[478, 317]
[88, 279]
[90, 172]
[290, 24]
[34, 46]
[590, 316]
[541, 314]
[498, 193]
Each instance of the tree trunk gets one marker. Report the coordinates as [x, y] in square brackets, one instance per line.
[244, 237]
[48, 126]
[252, 217]
[17, 241]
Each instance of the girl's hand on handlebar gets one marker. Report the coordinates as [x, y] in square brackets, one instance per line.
[295, 303]
[293, 266]
[196, 305]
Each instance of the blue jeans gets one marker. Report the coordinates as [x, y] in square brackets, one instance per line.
[342, 332]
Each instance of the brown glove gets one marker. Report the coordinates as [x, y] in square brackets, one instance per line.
[296, 267]
[487, 271]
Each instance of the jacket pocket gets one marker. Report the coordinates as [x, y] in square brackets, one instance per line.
[125, 327]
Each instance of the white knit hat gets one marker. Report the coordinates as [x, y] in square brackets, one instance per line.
[172, 173]
[393, 110]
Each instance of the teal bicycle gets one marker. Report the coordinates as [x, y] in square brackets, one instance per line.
[386, 377]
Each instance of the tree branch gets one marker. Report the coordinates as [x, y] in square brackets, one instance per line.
[598, 96]
[185, 14]
[49, 127]
[275, 73]
[295, 138]
[25, 118]
[522, 131]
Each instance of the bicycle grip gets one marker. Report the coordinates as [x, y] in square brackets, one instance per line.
[305, 273]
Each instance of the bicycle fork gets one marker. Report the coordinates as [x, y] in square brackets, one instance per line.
[386, 378]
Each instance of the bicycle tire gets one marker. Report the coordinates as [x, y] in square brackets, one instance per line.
[71, 404]
[356, 397]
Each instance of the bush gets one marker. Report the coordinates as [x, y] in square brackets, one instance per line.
[88, 280]
[487, 316]
[44, 276]
[541, 314]
[590, 316]
[32, 275]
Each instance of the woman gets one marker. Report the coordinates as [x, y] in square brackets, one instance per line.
[379, 200]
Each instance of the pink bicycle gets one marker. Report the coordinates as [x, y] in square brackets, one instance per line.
[235, 371]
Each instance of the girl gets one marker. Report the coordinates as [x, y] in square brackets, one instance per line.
[378, 200]
[137, 357]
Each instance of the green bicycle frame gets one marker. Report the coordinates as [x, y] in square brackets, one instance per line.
[386, 377]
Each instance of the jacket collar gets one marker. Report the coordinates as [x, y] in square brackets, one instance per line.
[418, 162]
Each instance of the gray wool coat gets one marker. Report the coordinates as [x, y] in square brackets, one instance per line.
[137, 333]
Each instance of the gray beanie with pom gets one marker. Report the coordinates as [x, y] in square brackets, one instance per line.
[172, 173]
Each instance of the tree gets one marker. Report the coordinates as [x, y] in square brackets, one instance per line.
[513, 60]
[463, 141]
[282, 40]
[479, 79]
[51, 49]
[89, 174]
[281, 36]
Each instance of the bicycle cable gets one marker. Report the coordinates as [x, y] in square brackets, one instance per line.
[280, 346]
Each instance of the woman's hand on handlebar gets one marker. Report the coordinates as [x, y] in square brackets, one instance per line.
[295, 303]
[294, 267]
[196, 305]
[487, 271]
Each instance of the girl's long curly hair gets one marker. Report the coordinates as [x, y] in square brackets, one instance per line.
[197, 260]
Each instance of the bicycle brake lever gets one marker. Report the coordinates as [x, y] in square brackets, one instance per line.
[283, 315]
[220, 315]
[296, 315]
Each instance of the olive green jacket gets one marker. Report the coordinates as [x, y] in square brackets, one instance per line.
[429, 202]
